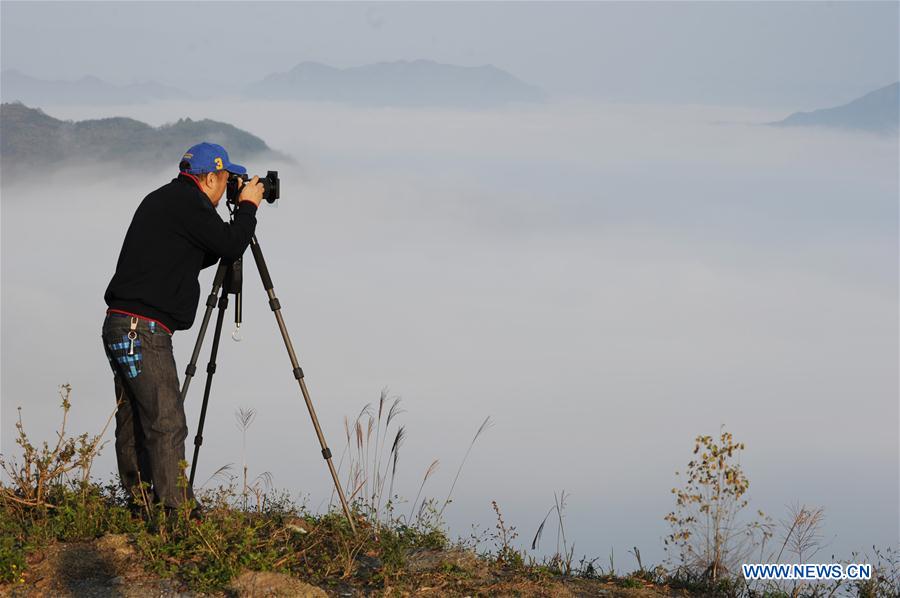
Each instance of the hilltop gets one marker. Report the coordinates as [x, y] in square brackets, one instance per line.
[399, 83]
[63, 533]
[877, 112]
[116, 565]
[31, 141]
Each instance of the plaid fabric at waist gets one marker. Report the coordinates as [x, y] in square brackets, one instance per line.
[117, 313]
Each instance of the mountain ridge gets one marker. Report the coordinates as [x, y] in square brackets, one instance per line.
[31, 140]
[419, 82]
[406, 83]
[88, 89]
[877, 111]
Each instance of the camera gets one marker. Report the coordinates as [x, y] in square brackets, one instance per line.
[271, 186]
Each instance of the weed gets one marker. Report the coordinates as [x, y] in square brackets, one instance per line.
[503, 537]
[561, 560]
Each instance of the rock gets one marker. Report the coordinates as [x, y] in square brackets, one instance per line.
[427, 560]
[35, 557]
[276, 585]
[297, 525]
[367, 566]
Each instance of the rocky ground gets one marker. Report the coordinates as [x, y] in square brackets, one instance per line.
[110, 567]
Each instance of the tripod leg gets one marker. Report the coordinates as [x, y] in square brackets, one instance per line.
[210, 371]
[218, 279]
[298, 372]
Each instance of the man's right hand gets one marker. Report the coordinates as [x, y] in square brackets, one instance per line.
[252, 192]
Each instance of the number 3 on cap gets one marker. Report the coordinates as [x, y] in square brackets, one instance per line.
[219, 165]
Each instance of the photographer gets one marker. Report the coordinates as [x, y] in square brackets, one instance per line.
[174, 234]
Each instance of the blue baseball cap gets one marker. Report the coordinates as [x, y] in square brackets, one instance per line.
[208, 157]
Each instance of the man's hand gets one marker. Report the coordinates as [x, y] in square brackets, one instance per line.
[252, 192]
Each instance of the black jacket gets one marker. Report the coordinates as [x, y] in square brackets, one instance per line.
[175, 233]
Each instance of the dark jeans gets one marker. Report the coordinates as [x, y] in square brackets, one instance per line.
[150, 422]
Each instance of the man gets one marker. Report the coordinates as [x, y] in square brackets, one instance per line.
[175, 233]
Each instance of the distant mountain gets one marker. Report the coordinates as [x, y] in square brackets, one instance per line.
[402, 83]
[17, 86]
[876, 111]
[32, 141]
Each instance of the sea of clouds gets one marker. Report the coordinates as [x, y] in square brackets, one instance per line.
[605, 281]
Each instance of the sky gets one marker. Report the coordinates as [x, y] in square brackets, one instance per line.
[793, 55]
[606, 278]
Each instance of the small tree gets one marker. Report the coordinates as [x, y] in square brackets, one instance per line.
[706, 529]
[47, 464]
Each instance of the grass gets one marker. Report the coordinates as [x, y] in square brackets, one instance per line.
[320, 549]
[207, 554]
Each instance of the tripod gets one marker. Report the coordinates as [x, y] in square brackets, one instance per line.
[229, 278]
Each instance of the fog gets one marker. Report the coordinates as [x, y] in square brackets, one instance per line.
[605, 281]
